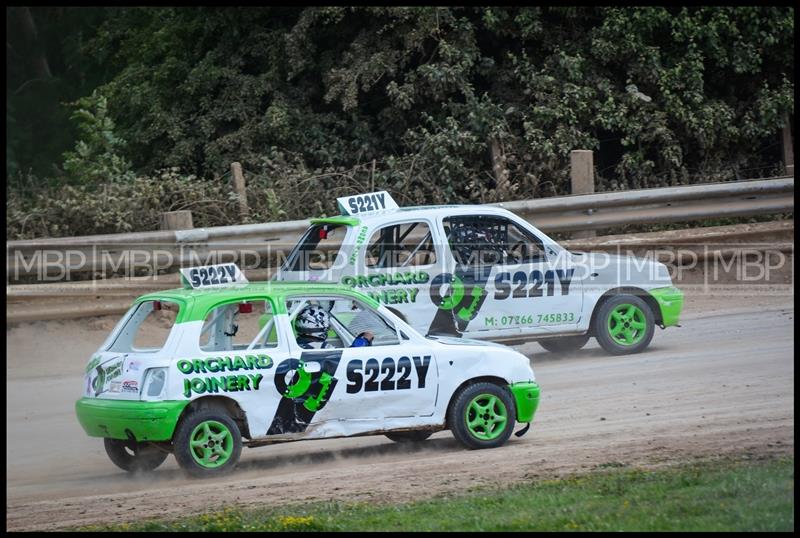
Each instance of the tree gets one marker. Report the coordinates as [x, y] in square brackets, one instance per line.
[468, 104]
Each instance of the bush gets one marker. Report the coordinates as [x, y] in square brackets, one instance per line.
[280, 188]
[117, 207]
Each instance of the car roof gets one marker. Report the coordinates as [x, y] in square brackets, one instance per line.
[423, 211]
[199, 301]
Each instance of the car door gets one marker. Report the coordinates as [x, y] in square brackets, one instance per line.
[371, 387]
[512, 282]
[400, 260]
[239, 349]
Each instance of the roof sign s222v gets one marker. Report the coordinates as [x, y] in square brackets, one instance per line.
[212, 276]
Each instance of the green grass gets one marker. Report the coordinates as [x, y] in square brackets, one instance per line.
[729, 495]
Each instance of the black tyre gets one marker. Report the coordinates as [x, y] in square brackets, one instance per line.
[482, 415]
[624, 324]
[416, 436]
[134, 457]
[564, 344]
[207, 443]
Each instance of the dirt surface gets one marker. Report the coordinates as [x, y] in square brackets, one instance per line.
[723, 383]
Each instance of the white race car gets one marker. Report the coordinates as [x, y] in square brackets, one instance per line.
[485, 273]
[202, 370]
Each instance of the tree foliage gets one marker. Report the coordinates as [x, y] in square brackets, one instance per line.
[452, 104]
[97, 157]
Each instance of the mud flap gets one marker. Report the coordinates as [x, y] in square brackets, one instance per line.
[524, 430]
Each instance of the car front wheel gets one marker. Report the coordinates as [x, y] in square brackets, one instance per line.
[624, 324]
[482, 415]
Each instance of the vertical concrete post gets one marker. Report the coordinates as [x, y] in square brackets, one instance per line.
[582, 180]
[239, 188]
[788, 146]
[176, 220]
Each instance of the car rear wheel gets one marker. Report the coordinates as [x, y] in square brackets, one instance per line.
[134, 457]
[416, 436]
[624, 324]
[207, 443]
[564, 344]
[482, 415]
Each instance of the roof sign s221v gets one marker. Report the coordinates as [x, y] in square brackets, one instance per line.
[366, 203]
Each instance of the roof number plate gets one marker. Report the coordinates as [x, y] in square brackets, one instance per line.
[212, 276]
[366, 203]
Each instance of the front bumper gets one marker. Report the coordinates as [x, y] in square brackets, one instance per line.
[670, 302]
[146, 421]
[526, 396]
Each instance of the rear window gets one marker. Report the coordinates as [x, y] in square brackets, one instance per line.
[147, 327]
[318, 249]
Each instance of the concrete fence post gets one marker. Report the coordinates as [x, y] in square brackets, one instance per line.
[239, 188]
[582, 180]
[176, 220]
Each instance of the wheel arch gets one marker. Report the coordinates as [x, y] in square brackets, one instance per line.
[229, 405]
[499, 381]
[626, 290]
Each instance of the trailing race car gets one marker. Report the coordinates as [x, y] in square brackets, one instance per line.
[201, 371]
[485, 273]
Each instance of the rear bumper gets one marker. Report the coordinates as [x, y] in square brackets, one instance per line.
[526, 396]
[146, 421]
[670, 301]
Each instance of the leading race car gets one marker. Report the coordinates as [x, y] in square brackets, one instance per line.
[201, 371]
[485, 273]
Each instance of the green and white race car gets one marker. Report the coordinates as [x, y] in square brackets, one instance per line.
[221, 363]
[483, 272]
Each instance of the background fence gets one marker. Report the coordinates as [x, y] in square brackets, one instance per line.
[171, 249]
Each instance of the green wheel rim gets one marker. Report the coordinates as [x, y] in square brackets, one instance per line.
[211, 444]
[486, 417]
[627, 324]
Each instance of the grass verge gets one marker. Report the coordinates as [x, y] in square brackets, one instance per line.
[727, 495]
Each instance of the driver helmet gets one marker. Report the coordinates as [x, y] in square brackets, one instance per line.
[313, 320]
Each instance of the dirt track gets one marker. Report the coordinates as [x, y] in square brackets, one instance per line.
[722, 383]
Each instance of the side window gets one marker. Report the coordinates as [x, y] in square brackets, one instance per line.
[486, 240]
[147, 329]
[235, 326]
[401, 245]
[337, 322]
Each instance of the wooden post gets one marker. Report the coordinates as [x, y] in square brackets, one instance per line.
[502, 185]
[788, 146]
[176, 220]
[582, 180]
[238, 186]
